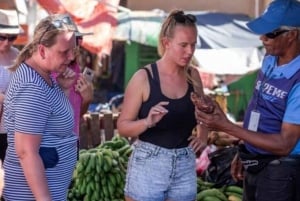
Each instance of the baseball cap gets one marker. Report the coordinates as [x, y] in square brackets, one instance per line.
[278, 13]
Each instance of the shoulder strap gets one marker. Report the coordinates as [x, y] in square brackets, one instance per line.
[155, 71]
[148, 73]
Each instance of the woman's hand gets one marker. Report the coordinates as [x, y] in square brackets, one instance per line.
[156, 113]
[85, 88]
[197, 144]
[199, 140]
[66, 79]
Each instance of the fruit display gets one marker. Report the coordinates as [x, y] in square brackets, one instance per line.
[207, 192]
[100, 172]
[100, 176]
[222, 139]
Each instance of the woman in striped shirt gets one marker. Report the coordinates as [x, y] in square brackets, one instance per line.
[39, 119]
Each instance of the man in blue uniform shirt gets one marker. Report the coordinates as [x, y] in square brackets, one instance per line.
[269, 159]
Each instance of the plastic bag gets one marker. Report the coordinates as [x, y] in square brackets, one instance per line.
[218, 170]
[203, 161]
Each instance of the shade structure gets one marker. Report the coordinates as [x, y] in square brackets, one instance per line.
[225, 44]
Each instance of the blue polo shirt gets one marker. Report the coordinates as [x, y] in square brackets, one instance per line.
[277, 98]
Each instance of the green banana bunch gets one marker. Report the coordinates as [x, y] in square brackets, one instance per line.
[207, 192]
[101, 171]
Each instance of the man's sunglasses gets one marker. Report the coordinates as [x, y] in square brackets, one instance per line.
[59, 23]
[276, 33]
[180, 17]
[9, 38]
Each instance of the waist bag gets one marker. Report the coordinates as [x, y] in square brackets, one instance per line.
[254, 163]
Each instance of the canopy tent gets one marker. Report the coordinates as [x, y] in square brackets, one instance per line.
[225, 44]
[97, 17]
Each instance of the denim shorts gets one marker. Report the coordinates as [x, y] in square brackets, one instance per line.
[158, 174]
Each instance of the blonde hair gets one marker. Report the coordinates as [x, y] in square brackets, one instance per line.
[168, 26]
[177, 18]
[45, 33]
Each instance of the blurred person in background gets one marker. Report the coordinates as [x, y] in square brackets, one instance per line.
[9, 30]
[81, 93]
[38, 117]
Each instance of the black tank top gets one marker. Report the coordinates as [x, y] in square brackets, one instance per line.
[173, 130]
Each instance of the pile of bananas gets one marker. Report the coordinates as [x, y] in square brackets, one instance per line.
[207, 192]
[221, 139]
[100, 172]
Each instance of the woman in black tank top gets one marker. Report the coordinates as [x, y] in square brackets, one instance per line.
[158, 111]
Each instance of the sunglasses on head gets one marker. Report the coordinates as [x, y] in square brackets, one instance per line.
[276, 33]
[9, 38]
[180, 17]
[59, 23]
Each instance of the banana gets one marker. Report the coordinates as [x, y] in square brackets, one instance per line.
[234, 189]
[211, 192]
[211, 198]
[107, 163]
[234, 198]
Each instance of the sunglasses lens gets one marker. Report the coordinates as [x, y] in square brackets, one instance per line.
[57, 23]
[192, 18]
[275, 33]
[179, 18]
[9, 38]
[67, 20]
[270, 35]
[182, 18]
[12, 38]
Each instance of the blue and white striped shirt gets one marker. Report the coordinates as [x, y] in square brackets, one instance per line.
[34, 107]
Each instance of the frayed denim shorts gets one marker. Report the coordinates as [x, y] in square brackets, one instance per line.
[158, 174]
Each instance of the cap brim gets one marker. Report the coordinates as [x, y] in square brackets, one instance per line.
[261, 26]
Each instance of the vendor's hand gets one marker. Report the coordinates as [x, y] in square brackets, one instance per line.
[85, 88]
[156, 113]
[66, 79]
[216, 121]
[237, 170]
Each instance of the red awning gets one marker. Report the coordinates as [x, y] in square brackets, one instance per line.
[98, 17]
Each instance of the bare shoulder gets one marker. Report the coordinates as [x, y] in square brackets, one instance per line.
[140, 75]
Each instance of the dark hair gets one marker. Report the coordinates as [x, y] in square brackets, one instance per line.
[176, 17]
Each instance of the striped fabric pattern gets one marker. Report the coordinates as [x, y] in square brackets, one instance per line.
[34, 107]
